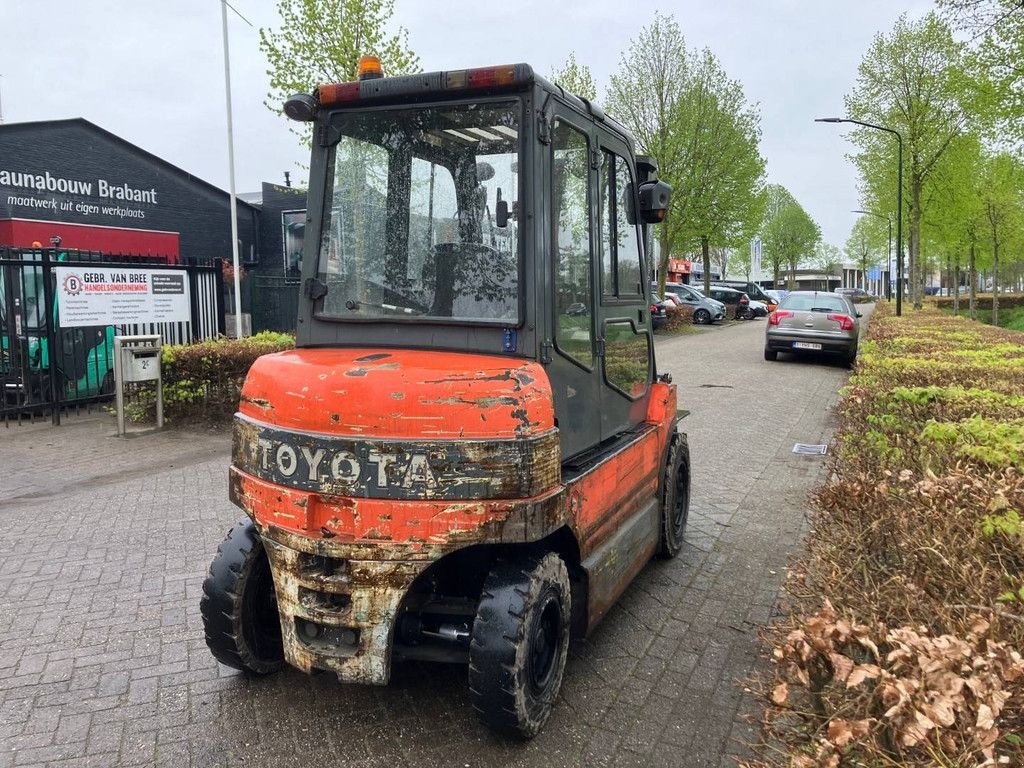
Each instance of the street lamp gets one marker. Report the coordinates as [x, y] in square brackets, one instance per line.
[888, 252]
[899, 200]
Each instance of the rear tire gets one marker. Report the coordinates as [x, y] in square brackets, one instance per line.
[771, 354]
[851, 359]
[702, 317]
[675, 497]
[239, 607]
[519, 644]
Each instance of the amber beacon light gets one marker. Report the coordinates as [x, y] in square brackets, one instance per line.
[369, 68]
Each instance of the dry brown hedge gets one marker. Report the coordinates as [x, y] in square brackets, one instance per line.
[908, 609]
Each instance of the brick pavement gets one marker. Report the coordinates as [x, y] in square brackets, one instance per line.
[105, 543]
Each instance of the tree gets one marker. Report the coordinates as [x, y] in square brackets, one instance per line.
[827, 257]
[913, 81]
[685, 111]
[320, 41]
[789, 235]
[996, 30]
[1002, 198]
[575, 78]
[861, 247]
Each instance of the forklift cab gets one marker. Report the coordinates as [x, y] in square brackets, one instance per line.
[490, 212]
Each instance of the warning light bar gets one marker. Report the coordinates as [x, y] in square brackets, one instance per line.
[377, 87]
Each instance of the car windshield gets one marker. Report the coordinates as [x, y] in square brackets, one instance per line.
[816, 303]
[421, 215]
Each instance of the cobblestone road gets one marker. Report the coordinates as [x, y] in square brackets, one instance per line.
[105, 542]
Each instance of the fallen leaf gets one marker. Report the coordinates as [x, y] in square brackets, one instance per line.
[780, 694]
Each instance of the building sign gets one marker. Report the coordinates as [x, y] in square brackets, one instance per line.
[103, 296]
[680, 266]
[58, 194]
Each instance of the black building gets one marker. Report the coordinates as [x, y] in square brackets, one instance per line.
[74, 180]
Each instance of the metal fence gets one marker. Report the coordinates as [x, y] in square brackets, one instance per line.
[274, 303]
[46, 369]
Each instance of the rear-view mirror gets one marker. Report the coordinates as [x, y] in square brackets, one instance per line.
[501, 214]
[654, 201]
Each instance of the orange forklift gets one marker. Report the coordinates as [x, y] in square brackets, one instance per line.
[469, 455]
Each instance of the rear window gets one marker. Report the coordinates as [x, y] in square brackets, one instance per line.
[819, 303]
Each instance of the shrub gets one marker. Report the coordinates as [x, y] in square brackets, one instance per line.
[900, 647]
[203, 381]
[678, 318]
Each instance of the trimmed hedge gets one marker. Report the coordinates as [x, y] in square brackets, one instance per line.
[982, 301]
[202, 382]
[907, 611]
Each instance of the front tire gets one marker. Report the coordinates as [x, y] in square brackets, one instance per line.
[519, 644]
[239, 607]
[701, 317]
[675, 497]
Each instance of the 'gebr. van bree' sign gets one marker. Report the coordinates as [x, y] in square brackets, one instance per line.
[105, 296]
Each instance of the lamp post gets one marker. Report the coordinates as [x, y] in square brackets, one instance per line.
[888, 251]
[899, 199]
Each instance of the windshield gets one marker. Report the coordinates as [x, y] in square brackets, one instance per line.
[421, 215]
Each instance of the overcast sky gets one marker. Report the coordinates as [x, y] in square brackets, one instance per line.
[152, 72]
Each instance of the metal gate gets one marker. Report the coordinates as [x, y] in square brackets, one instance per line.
[275, 303]
[46, 369]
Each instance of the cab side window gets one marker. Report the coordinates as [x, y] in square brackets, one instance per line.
[571, 240]
[620, 245]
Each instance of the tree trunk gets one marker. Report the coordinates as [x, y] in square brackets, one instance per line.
[995, 281]
[705, 251]
[662, 259]
[916, 272]
[955, 287]
[972, 274]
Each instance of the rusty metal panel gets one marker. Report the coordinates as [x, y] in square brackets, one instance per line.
[380, 529]
[397, 469]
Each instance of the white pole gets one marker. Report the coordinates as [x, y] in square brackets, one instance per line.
[231, 175]
[1, 99]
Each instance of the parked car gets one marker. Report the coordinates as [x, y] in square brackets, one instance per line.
[732, 297]
[753, 290]
[705, 310]
[659, 312]
[759, 308]
[856, 295]
[778, 294]
[813, 321]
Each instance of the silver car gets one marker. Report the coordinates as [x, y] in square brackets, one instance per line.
[705, 310]
[813, 321]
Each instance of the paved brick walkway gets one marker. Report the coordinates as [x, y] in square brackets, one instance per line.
[105, 542]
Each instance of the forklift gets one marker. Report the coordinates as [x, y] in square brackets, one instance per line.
[469, 454]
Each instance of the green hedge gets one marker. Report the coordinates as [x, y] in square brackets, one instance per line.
[202, 382]
[983, 301]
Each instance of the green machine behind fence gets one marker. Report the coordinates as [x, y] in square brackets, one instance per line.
[31, 340]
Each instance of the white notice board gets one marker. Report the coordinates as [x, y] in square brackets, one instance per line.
[108, 296]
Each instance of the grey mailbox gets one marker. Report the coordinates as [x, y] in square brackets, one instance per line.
[136, 359]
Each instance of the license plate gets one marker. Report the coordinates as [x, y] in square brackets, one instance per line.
[806, 345]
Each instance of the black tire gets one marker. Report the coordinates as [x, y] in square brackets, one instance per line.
[239, 607]
[702, 317]
[519, 644]
[675, 497]
[771, 354]
[851, 358]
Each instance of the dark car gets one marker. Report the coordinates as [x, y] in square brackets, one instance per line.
[659, 312]
[733, 298]
[813, 321]
[754, 291]
[856, 295]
